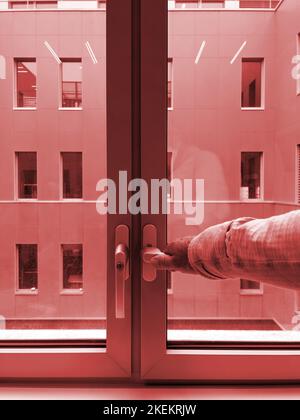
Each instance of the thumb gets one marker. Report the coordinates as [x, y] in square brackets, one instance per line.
[163, 262]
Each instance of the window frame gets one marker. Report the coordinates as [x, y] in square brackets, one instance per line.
[69, 60]
[62, 198]
[17, 180]
[16, 60]
[58, 361]
[247, 362]
[262, 179]
[262, 107]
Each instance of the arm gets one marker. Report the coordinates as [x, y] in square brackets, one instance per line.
[265, 250]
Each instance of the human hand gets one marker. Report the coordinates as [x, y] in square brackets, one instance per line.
[175, 257]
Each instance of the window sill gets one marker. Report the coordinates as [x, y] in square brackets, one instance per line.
[171, 109]
[251, 293]
[69, 109]
[253, 109]
[252, 200]
[26, 292]
[24, 109]
[27, 200]
[72, 292]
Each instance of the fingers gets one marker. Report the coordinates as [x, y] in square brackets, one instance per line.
[163, 262]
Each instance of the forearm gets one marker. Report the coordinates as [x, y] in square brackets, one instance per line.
[265, 250]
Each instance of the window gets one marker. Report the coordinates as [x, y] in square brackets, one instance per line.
[72, 267]
[249, 287]
[40, 4]
[72, 175]
[202, 4]
[170, 83]
[26, 71]
[252, 83]
[251, 169]
[27, 267]
[71, 73]
[27, 175]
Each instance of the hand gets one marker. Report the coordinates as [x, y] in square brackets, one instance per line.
[175, 257]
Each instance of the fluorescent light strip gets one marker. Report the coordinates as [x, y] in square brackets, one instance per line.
[47, 45]
[91, 52]
[238, 53]
[201, 49]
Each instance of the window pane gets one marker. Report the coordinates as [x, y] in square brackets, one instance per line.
[251, 175]
[251, 83]
[46, 4]
[27, 175]
[72, 175]
[26, 83]
[248, 164]
[72, 84]
[72, 267]
[28, 267]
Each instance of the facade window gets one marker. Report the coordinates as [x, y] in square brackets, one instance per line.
[27, 175]
[26, 71]
[72, 175]
[170, 83]
[72, 266]
[250, 287]
[27, 267]
[251, 173]
[252, 93]
[31, 4]
[71, 76]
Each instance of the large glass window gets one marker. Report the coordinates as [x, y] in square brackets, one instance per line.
[71, 71]
[27, 267]
[27, 175]
[26, 71]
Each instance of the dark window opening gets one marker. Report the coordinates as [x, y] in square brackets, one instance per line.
[72, 175]
[72, 266]
[27, 175]
[28, 267]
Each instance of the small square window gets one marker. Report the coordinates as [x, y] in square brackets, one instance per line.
[72, 175]
[27, 175]
[27, 267]
[72, 267]
[250, 287]
[26, 71]
[71, 76]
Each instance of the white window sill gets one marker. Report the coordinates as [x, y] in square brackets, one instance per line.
[251, 293]
[70, 109]
[72, 292]
[171, 109]
[252, 200]
[253, 109]
[26, 292]
[27, 200]
[24, 109]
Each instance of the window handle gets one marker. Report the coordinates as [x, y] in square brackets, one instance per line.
[149, 251]
[121, 268]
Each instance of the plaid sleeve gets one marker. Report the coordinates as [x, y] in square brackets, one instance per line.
[266, 250]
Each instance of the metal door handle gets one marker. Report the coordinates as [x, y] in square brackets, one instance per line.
[121, 268]
[149, 251]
